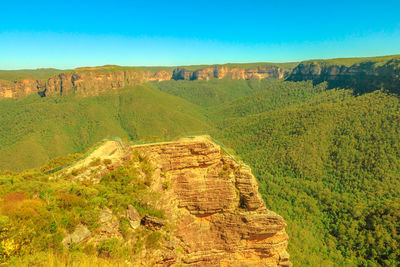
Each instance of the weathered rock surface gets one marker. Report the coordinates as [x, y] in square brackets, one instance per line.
[221, 72]
[152, 222]
[219, 215]
[93, 81]
[133, 217]
[80, 233]
[363, 77]
[108, 156]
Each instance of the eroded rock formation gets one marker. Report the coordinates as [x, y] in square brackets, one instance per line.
[219, 214]
[214, 214]
[87, 83]
[363, 77]
[93, 81]
[236, 73]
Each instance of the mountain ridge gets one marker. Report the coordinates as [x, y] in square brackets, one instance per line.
[363, 74]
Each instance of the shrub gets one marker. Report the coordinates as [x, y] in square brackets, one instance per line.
[70, 220]
[14, 197]
[107, 161]
[67, 201]
[4, 220]
[95, 162]
[23, 209]
[153, 240]
[89, 217]
[108, 247]
[166, 184]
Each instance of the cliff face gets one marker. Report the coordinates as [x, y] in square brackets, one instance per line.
[220, 72]
[363, 77]
[91, 81]
[88, 83]
[219, 214]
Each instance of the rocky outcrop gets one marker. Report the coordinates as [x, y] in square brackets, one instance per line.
[84, 82]
[363, 77]
[209, 211]
[80, 233]
[236, 73]
[133, 217]
[93, 81]
[219, 215]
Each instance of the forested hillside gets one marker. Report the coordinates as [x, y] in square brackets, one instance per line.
[331, 166]
[34, 130]
[327, 159]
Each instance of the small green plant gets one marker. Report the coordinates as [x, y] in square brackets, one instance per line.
[109, 248]
[166, 184]
[107, 161]
[95, 162]
[153, 240]
[68, 201]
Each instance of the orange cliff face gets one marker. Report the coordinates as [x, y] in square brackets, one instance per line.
[92, 81]
[236, 73]
[88, 83]
[220, 217]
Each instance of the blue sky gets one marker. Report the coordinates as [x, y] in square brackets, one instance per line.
[68, 34]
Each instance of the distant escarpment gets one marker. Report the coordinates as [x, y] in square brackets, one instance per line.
[236, 73]
[92, 81]
[364, 76]
[361, 74]
[87, 83]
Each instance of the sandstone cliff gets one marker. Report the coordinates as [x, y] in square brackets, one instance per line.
[220, 215]
[363, 77]
[215, 215]
[92, 81]
[87, 83]
[220, 72]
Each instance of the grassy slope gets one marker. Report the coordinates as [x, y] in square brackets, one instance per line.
[36, 213]
[35, 129]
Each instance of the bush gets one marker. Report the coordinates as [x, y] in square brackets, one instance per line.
[14, 197]
[23, 209]
[67, 201]
[166, 184]
[109, 247]
[4, 220]
[107, 161]
[153, 240]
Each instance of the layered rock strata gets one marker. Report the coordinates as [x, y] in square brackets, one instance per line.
[88, 83]
[92, 81]
[220, 217]
[363, 77]
[221, 72]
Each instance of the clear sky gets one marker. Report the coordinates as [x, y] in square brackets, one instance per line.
[68, 34]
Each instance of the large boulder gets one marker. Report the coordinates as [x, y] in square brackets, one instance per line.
[81, 233]
[133, 217]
